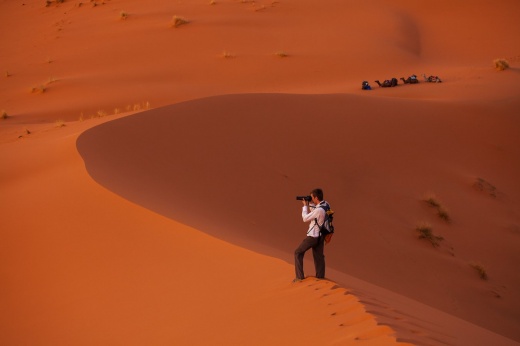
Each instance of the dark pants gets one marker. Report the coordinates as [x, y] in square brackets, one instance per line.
[317, 253]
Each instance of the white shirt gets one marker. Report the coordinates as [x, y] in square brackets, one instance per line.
[315, 213]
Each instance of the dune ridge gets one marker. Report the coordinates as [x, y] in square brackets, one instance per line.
[121, 274]
[157, 165]
[231, 100]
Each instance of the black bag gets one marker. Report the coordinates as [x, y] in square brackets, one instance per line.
[327, 228]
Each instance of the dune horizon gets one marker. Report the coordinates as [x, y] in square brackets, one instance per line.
[148, 172]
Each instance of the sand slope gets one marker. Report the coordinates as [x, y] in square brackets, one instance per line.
[117, 273]
[104, 261]
[240, 154]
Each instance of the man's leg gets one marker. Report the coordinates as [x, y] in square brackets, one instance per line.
[319, 257]
[306, 244]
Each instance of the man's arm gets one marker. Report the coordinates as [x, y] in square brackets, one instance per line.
[307, 213]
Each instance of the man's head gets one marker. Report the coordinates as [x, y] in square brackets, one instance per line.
[317, 194]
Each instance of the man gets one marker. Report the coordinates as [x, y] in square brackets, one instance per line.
[315, 215]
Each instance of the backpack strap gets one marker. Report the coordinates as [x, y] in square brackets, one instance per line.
[324, 207]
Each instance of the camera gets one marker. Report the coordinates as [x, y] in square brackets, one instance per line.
[304, 198]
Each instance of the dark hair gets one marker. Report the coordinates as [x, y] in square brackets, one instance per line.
[318, 193]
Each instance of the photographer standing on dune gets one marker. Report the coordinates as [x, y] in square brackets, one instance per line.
[313, 211]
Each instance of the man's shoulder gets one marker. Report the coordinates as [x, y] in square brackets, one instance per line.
[324, 205]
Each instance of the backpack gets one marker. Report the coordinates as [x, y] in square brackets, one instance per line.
[327, 228]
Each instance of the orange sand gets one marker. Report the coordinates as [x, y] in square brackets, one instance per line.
[174, 220]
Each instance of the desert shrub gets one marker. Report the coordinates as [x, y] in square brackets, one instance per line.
[49, 2]
[426, 232]
[123, 15]
[4, 115]
[59, 123]
[484, 186]
[480, 270]
[39, 89]
[178, 21]
[282, 54]
[501, 64]
[432, 201]
[227, 55]
[443, 214]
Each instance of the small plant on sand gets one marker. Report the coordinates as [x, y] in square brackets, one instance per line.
[49, 2]
[7, 74]
[484, 186]
[432, 201]
[123, 15]
[227, 55]
[501, 64]
[178, 21]
[480, 270]
[4, 115]
[426, 232]
[59, 123]
[281, 54]
[212, 2]
[39, 89]
[443, 214]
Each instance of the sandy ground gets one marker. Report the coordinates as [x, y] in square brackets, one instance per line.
[148, 173]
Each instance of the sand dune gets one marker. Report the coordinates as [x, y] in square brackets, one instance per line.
[229, 168]
[83, 266]
[216, 126]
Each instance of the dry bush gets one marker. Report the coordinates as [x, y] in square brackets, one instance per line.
[480, 270]
[4, 115]
[442, 212]
[123, 15]
[501, 64]
[431, 199]
[426, 232]
[484, 186]
[59, 123]
[49, 2]
[178, 21]
[39, 89]
[227, 55]
[282, 54]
